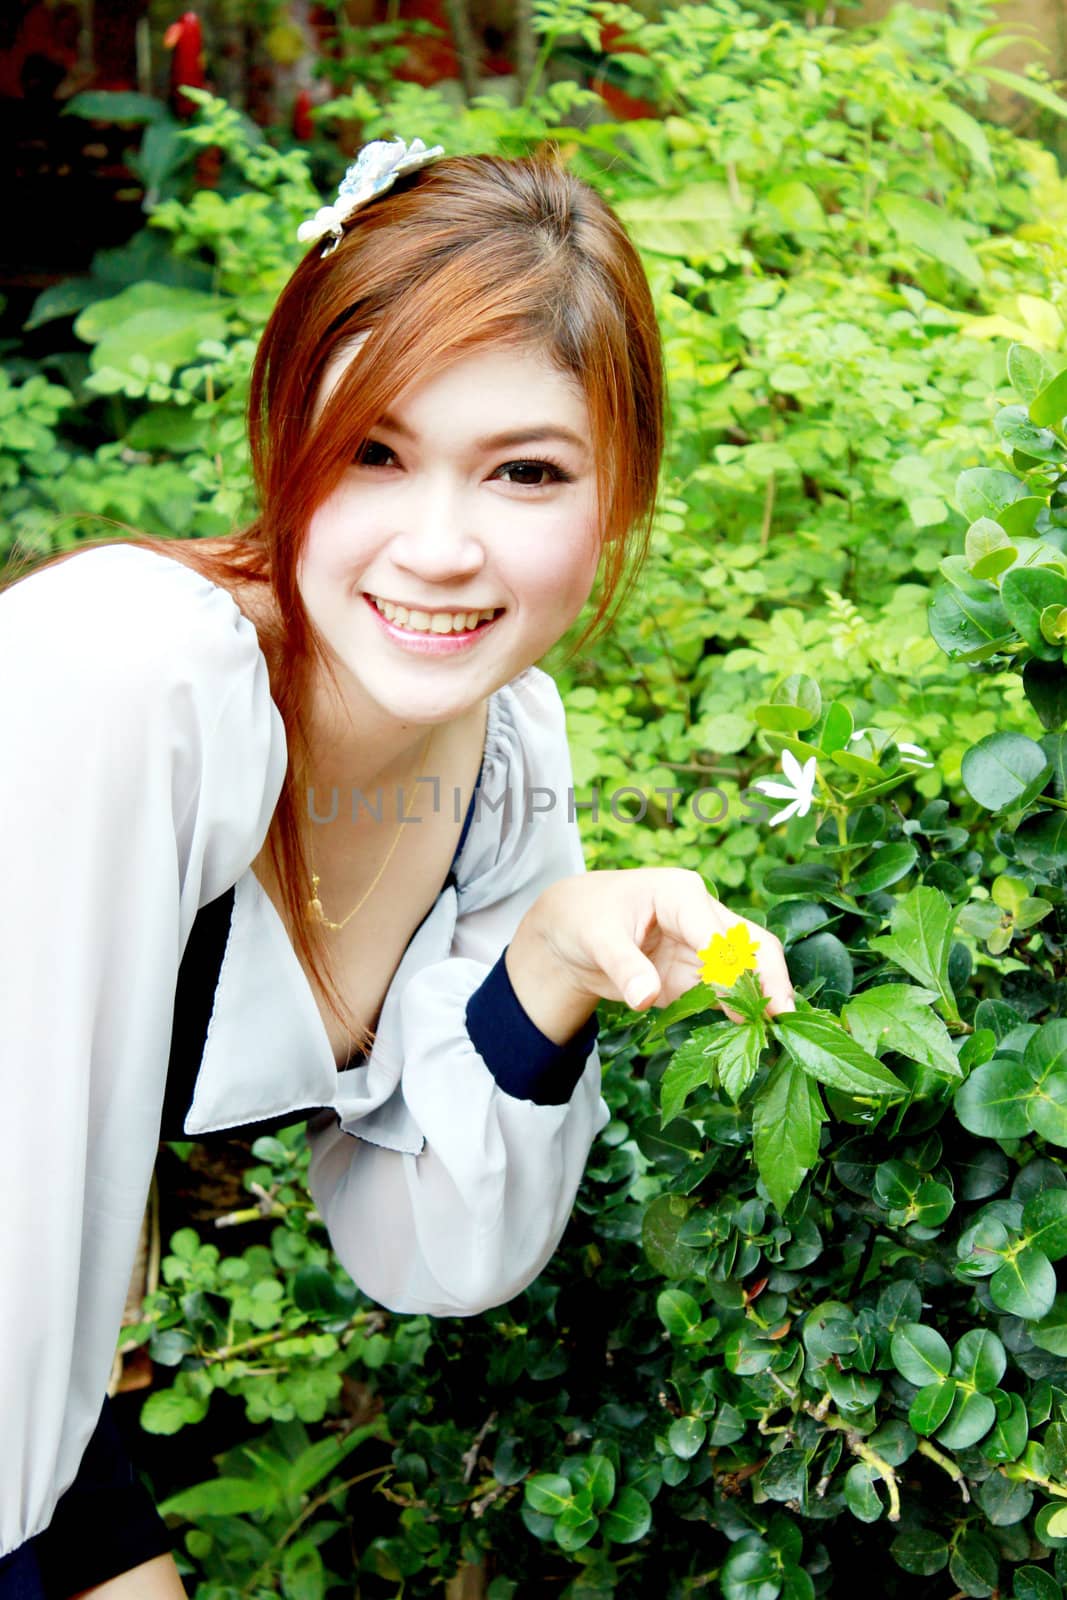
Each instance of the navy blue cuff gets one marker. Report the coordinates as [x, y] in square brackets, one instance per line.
[525, 1063]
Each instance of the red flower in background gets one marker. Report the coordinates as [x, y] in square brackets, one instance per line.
[303, 127]
[185, 38]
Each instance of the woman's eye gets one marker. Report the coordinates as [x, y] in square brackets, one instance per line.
[371, 453]
[535, 474]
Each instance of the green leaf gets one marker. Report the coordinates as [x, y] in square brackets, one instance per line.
[1028, 372]
[987, 549]
[1004, 770]
[1049, 407]
[970, 1419]
[920, 1552]
[1041, 841]
[973, 1566]
[920, 1354]
[1040, 93]
[549, 1494]
[1046, 1050]
[821, 956]
[1025, 1286]
[303, 1573]
[931, 229]
[963, 128]
[922, 924]
[751, 1571]
[897, 1016]
[695, 222]
[629, 1519]
[1015, 428]
[600, 1481]
[885, 866]
[1034, 1583]
[979, 1359]
[169, 1410]
[737, 1057]
[1051, 1332]
[785, 1130]
[993, 1100]
[1007, 1439]
[1047, 1109]
[861, 1496]
[986, 491]
[121, 107]
[691, 1067]
[151, 321]
[819, 1045]
[1025, 593]
[222, 1497]
[797, 206]
[1045, 1223]
[931, 1406]
[686, 1435]
[966, 628]
[795, 705]
[663, 1218]
[679, 1312]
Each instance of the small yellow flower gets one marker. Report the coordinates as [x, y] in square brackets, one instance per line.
[728, 955]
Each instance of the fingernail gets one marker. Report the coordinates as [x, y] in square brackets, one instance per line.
[637, 992]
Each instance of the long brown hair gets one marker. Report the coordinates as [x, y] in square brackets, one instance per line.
[471, 251]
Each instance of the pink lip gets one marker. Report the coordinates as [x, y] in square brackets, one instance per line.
[431, 644]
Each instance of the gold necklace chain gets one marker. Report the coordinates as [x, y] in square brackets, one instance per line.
[314, 911]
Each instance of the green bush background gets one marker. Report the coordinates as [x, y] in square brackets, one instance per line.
[807, 1311]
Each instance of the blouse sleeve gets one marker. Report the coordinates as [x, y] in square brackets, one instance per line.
[142, 760]
[507, 1117]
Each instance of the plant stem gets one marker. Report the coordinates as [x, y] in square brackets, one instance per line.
[934, 1454]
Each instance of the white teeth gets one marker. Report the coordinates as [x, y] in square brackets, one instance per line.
[431, 622]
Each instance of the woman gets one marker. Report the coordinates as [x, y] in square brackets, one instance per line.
[455, 421]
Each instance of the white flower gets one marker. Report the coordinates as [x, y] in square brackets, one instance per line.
[374, 170]
[915, 751]
[799, 790]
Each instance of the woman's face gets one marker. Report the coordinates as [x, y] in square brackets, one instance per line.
[475, 494]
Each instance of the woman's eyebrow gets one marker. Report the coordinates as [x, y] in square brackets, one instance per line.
[536, 432]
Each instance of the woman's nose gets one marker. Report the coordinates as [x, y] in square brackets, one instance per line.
[436, 539]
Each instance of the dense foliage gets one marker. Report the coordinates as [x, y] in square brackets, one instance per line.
[807, 1311]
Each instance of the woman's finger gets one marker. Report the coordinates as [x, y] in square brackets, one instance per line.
[626, 967]
[771, 967]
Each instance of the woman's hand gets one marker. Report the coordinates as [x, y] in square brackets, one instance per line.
[630, 936]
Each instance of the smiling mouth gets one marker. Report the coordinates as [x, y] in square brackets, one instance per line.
[433, 621]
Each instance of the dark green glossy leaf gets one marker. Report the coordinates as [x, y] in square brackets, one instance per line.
[1045, 1222]
[979, 1359]
[1007, 1438]
[1025, 1286]
[884, 867]
[920, 1354]
[993, 1100]
[1025, 592]
[1047, 1109]
[973, 1566]
[1045, 683]
[970, 1419]
[931, 1406]
[628, 1519]
[920, 1552]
